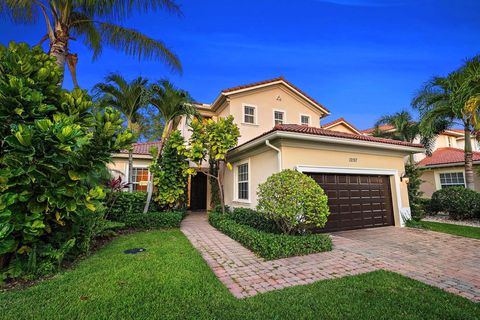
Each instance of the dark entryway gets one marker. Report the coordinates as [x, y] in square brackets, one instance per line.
[356, 201]
[198, 192]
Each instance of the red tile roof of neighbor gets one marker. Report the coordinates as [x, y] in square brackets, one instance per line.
[447, 156]
[143, 147]
[385, 127]
[296, 128]
[281, 78]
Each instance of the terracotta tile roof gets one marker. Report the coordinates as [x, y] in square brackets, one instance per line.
[334, 122]
[447, 156]
[143, 147]
[385, 127]
[296, 128]
[255, 84]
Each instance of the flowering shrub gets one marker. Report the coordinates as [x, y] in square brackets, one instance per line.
[293, 200]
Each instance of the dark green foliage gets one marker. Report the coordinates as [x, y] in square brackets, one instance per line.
[414, 194]
[171, 173]
[152, 220]
[460, 203]
[270, 245]
[120, 203]
[253, 219]
[53, 154]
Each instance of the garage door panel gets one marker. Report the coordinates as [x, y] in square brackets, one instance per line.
[356, 201]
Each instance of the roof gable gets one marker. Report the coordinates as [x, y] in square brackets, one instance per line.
[266, 83]
[342, 123]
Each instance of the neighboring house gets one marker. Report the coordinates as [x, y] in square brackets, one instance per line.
[141, 161]
[445, 167]
[281, 128]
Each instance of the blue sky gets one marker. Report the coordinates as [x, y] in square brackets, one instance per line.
[360, 58]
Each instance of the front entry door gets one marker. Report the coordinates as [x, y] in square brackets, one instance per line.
[198, 192]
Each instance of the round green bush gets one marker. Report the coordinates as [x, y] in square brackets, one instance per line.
[460, 203]
[293, 200]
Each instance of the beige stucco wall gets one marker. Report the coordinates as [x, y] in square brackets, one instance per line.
[261, 165]
[431, 179]
[119, 165]
[266, 100]
[321, 155]
[340, 127]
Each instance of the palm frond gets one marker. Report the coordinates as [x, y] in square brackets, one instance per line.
[82, 26]
[137, 44]
[19, 11]
[119, 10]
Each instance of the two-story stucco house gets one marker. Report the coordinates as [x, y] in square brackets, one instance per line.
[282, 127]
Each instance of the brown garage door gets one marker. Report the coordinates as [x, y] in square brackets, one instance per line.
[356, 201]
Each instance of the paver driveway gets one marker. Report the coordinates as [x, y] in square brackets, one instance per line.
[445, 261]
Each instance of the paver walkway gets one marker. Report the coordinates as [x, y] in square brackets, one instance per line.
[442, 260]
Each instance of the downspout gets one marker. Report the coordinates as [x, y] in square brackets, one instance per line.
[279, 154]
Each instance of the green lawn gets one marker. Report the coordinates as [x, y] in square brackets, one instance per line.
[171, 281]
[464, 231]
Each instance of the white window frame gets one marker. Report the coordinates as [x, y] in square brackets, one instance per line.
[284, 120]
[249, 181]
[309, 119]
[255, 114]
[451, 184]
[136, 183]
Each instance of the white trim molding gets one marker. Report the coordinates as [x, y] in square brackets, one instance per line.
[284, 120]
[403, 212]
[305, 115]
[235, 182]
[255, 114]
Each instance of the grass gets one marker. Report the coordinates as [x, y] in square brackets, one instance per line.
[171, 281]
[458, 230]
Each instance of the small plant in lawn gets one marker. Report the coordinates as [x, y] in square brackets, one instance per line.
[294, 201]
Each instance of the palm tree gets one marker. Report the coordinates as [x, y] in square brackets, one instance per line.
[405, 128]
[172, 104]
[86, 20]
[446, 101]
[127, 97]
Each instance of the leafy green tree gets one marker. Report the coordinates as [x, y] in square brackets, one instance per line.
[171, 173]
[172, 104]
[130, 98]
[212, 140]
[68, 20]
[53, 149]
[445, 101]
[293, 201]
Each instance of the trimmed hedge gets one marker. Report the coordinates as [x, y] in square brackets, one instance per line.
[120, 203]
[270, 245]
[152, 220]
[252, 219]
[459, 202]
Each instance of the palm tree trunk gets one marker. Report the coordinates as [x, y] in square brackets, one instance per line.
[468, 159]
[59, 47]
[130, 170]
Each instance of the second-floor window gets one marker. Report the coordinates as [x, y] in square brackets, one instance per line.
[305, 120]
[249, 114]
[278, 117]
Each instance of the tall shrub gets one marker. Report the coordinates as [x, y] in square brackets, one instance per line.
[293, 200]
[53, 151]
[171, 173]
[414, 194]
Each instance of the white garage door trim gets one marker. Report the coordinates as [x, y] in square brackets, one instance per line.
[404, 212]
